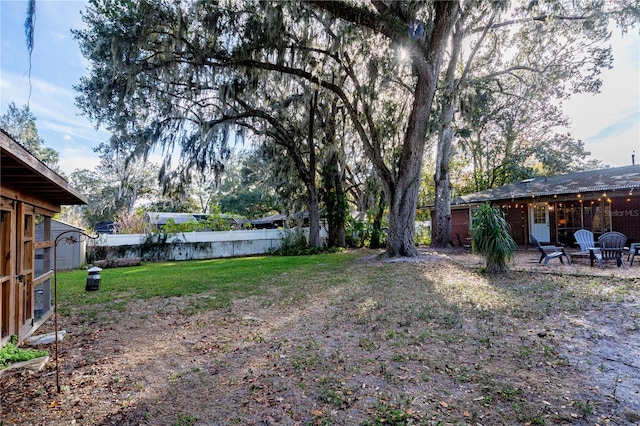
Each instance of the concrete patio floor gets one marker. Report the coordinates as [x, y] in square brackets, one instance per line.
[527, 260]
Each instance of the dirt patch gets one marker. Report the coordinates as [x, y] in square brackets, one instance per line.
[418, 342]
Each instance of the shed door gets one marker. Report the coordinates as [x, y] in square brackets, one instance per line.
[539, 222]
[25, 266]
[8, 322]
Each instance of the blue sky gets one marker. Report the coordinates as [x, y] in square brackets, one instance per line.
[56, 66]
[609, 122]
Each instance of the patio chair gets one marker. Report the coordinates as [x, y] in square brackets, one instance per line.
[549, 252]
[634, 250]
[611, 247]
[585, 239]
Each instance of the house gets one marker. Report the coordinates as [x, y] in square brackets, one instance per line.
[552, 208]
[279, 220]
[30, 194]
[274, 221]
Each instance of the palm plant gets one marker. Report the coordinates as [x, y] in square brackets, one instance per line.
[491, 238]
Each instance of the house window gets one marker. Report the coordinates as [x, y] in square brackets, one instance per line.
[601, 219]
[539, 215]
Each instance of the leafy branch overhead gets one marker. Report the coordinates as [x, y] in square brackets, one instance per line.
[188, 78]
[171, 76]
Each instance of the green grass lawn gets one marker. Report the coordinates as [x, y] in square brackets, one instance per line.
[226, 279]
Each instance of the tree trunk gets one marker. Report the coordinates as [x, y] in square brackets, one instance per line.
[334, 197]
[340, 221]
[314, 217]
[403, 194]
[335, 202]
[314, 209]
[402, 181]
[377, 223]
[441, 222]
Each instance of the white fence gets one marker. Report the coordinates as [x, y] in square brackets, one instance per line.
[189, 245]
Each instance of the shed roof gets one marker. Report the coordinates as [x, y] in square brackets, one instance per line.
[280, 217]
[610, 179]
[20, 170]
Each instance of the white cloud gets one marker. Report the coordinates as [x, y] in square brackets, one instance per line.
[58, 119]
[609, 122]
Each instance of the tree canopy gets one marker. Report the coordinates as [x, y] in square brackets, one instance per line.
[21, 124]
[189, 77]
[170, 74]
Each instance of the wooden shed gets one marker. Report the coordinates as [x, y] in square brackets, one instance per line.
[30, 194]
[69, 256]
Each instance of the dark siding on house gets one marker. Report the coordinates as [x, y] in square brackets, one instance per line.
[517, 218]
[460, 224]
[625, 217]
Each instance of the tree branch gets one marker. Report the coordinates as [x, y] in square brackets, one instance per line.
[376, 156]
[383, 22]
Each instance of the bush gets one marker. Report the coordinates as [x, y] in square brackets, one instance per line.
[10, 354]
[491, 238]
[294, 243]
[360, 233]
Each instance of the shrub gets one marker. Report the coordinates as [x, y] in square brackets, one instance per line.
[361, 233]
[294, 243]
[491, 238]
[10, 354]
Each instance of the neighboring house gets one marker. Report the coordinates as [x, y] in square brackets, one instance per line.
[553, 208]
[69, 256]
[276, 221]
[158, 219]
[30, 194]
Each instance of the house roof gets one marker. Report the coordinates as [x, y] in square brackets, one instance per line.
[280, 217]
[60, 225]
[20, 170]
[616, 178]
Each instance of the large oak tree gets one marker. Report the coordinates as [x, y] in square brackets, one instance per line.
[162, 73]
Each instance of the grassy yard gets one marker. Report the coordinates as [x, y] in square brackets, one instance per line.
[222, 279]
[340, 339]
